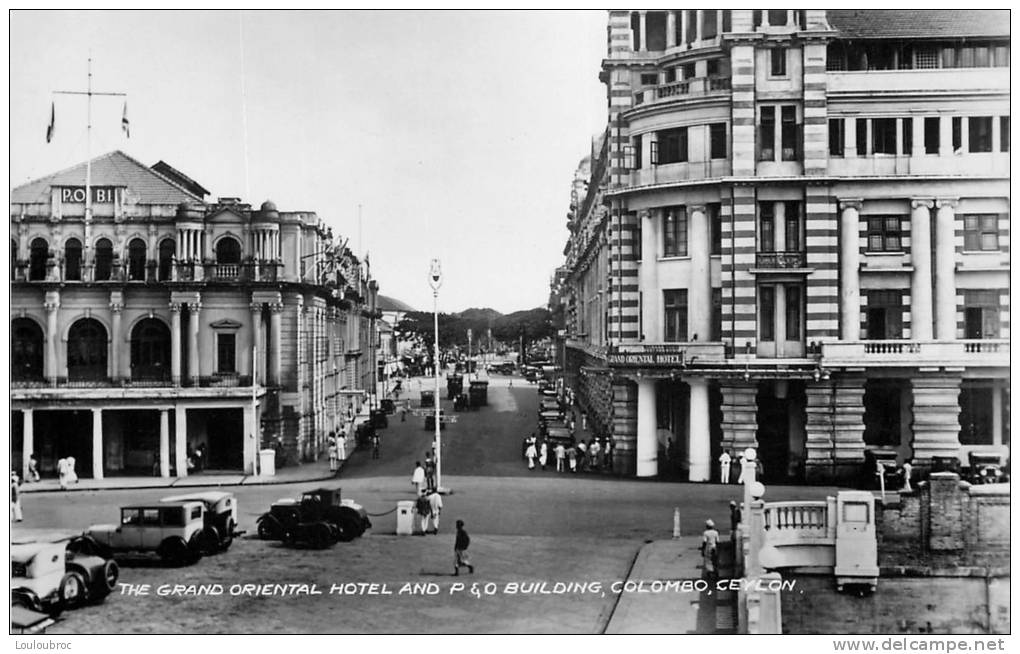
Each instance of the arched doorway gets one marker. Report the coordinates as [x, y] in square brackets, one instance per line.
[167, 248]
[150, 351]
[228, 251]
[39, 252]
[104, 260]
[136, 260]
[87, 351]
[72, 260]
[26, 350]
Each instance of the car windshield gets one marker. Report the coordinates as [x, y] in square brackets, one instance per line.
[130, 516]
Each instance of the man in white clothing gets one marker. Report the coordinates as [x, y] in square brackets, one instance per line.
[435, 507]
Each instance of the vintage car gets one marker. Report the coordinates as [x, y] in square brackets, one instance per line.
[478, 392]
[47, 578]
[319, 519]
[173, 530]
[454, 386]
[558, 436]
[985, 468]
[220, 518]
[549, 404]
[428, 399]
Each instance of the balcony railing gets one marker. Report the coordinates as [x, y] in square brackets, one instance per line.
[693, 86]
[956, 353]
[790, 523]
[780, 260]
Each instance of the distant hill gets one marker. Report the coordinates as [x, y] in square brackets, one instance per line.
[534, 323]
[478, 315]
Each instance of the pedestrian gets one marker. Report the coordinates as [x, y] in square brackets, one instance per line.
[331, 450]
[710, 548]
[375, 445]
[460, 547]
[543, 454]
[424, 509]
[430, 470]
[72, 475]
[200, 458]
[584, 421]
[593, 452]
[341, 446]
[403, 413]
[582, 455]
[435, 508]
[418, 478]
[531, 454]
[734, 516]
[16, 515]
[572, 458]
[560, 453]
[607, 454]
[33, 468]
[724, 467]
[62, 473]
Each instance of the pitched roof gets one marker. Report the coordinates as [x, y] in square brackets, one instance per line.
[111, 169]
[386, 303]
[919, 23]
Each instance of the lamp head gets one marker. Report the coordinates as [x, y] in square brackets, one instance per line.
[435, 274]
[750, 454]
[757, 490]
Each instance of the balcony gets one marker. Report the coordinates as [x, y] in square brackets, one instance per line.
[780, 261]
[900, 353]
[694, 87]
[917, 82]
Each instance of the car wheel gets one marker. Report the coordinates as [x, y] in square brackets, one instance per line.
[72, 590]
[196, 546]
[209, 541]
[320, 536]
[269, 528]
[173, 550]
[348, 529]
[228, 537]
[105, 580]
[351, 522]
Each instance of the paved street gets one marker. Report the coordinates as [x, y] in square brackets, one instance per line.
[525, 526]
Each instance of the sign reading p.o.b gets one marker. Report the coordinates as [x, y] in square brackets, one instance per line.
[77, 193]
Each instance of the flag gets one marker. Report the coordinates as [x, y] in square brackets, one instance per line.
[124, 123]
[53, 116]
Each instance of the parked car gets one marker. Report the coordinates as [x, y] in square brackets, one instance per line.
[320, 519]
[175, 531]
[985, 468]
[220, 518]
[428, 399]
[47, 578]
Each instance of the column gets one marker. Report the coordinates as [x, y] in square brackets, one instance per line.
[651, 323]
[671, 30]
[920, 279]
[918, 137]
[175, 343]
[256, 333]
[52, 304]
[850, 137]
[275, 334]
[194, 309]
[848, 427]
[250, 439]
[740, 416]
[642, 31]
[819, 412]
[116, 342]
[945, 269]
[647, 439]
[699, 457]
[700, 295]
[28, 440]
[97, 443]
[683, 25]
[936, 417]
[996, 415]
[164, 443]
[699, 19]
[849, 270]
[181, 440]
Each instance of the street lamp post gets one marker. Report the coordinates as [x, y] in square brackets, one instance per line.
[435, 281]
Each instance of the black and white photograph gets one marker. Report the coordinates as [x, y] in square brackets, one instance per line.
[470, 321]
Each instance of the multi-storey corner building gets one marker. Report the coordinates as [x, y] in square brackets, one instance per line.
[147, 321]
[805, 217]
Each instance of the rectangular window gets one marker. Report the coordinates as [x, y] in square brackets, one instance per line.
[226, 353]
[709, 25]
[636, 152]
[949, 57]
[767, 134]
[957, 134]
[792, 223]
[692, 27]
[1001, 57]
[767, 313]
[790, 134]
[907, 136]
[637, 237]
[714, 210]
[793, 313]
[981, 232]
[982, 57]
[712, 67]
[883, 135]
[672, 146]
[649, 79]
[884, 315]
[727, 18]
[965, 58]
[777, 17]
[1003, 133]
[862, 137]
[688, 71]
[674, 232]
[931, 135]
[717, 140]
[716, 334]
[837, 137]
[675, 304]
[766, 227]
[979, 133]
[778, 68]
[926, 58]
[670, 75]
[884, 233]
[981, 314]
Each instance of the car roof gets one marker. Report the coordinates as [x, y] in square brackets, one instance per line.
[162, 504]
[201, 496]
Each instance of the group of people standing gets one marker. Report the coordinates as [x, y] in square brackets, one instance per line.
[336, 449]
[429, 506]
[593, 455]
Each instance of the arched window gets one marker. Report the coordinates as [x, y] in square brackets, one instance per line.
[167, 247]
[104, 259]
[150, 350]
[228, 250]
[86, 350]
[136, 260]
[72, 260]
[26, 350]
[39, 252]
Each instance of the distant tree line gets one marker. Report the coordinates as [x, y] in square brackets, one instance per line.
[532, 324]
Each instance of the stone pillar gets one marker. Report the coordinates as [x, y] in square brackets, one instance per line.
[819, 426]
[119, 369]
[97, 443]
[175, 343]
[181, 440]
[164, 443]
[698, 23]
[647, 439]
[193, 357]
[683, 25]
[256, 337]
[52, 305]
[936, 417]
[275, 334]
[250, 439]
[945, 269]
[622, 416]
[651, 311]
[700, 294]
[848, 427]
[28, 440]
[699, 457]
[739, 416]
[671, 30]
[920, 279]
[849, 271]
[642, 15]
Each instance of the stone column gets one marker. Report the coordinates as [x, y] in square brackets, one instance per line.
[651, 313]
[251, 436]
[647, 440]
[848, 427]
[175, 343]
[642, 15]
[256, 334]
[671, 29]
[740, 416]
[164, 443]
[181, 440]
[945, 269]
[275, 334]
[920, 279]
[117, 366]
[700, 295]
[698, 23]
[819, 427]
[849, 271]
[28, 440]
[936, 417]
[699, 457]
[52, 305]
[193, 356]
[683, 25]
[97, 443]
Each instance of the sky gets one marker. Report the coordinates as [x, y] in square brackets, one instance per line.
[456, 132]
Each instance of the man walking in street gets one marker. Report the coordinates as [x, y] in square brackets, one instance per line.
[430, 470]
[418, 478]
[332, 452]
[561, 453]
[709, 549]
[435, 508]
[16, 515]
[424, 509]
[460, 553]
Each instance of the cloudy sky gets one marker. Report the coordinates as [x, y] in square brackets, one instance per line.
[457, 132]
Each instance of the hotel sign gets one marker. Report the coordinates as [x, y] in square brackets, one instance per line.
[646, 359]
[77, 193]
